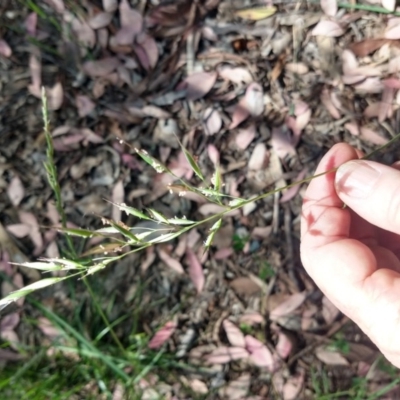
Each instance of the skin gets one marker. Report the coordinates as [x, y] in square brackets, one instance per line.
[352, 253]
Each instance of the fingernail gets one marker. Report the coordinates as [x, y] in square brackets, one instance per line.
[356, 179]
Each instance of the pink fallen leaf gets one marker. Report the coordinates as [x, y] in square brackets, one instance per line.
[30, 23]
[213, 154]
[386, 104]
[15, 191]
[100, 20]
[35, 235]
[55, 96]
[223, 253]
[238, 389]
[326, 100]
[57, 5]
[240, 114]
[5, 49]
[330, 357]
[171, 262]
[293, 385]
[393, 83]
[302, 121]
[84, 33]
[162, 335]
[149, 45]
[84, 105]
[101, 68]
[245, 136]
[353, 127]
[224, 354]
[257, 158]
[329, 7]
[52, 250]
[236, 75]
[212, 121]
[370, 85]
[9, 322]
[48, 329]
[288, 306]
[118, 195]
[234, 334]
[282, 142]
[130, 18]
[35, 69]
[195, 270]
[19, 230]
[199, 84]
[252, 318]
[292, 192]
[261, 232]
[260, 355]
[372, 136]
[329, 310]
[155, 112]
[284, 346]
[110, 5]
[89, 135]
[253, 100]
[328, 28]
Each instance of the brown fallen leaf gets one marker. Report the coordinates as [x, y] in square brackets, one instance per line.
[245, 286]
[256, 13]
[100, 20]
[198, 84]
[367, 46]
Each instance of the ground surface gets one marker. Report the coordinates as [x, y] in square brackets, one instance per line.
[263, 92]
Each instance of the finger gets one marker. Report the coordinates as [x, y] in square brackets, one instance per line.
[372, 190]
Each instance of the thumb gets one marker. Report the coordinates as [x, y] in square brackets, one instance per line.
[372, 190]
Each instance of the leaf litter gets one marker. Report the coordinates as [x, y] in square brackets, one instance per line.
[201, 73]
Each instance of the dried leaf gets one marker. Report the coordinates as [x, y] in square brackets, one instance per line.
[199, 84]
[288, 306]
[31, 23]
[330, 357]
[253, 100]
[48, 329]
[224, 354]
[29, 219]
[195, 270]
[213, 154]
[386, 104]
[292, 192]
[5, 49]
[84, 105]
[110, 5]
[282, 142]
[15, 191]
[245, 136]
[100, 20]
[257, 158]
[297, 68]
[223, 253]
[236, 75]
[19, 230]
[251, 318]
[328, 28]
[170, 261]
[130, 18]
[326, 100]
[101, 67]
[55, 96]
[329, 7]
[9, 322]
[372, 136]
[234, 334]
[212, 121]
[260, 355]
[238, 389]
[149, 45]
[367, 46]
[244, 285]
[284, 346]
[162, 335]
[118, 195]
[256, 13]
[293, 386]
[393, 30]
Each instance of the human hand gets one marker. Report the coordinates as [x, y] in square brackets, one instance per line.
[353, 253]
